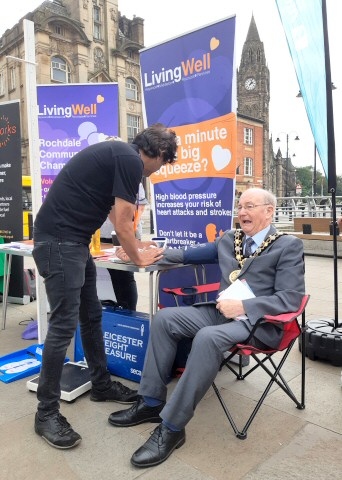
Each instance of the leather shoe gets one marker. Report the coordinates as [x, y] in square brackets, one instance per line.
[158, 447]
[115, 393]
[136, 414]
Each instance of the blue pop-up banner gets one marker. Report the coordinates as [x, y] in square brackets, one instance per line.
[189, 85]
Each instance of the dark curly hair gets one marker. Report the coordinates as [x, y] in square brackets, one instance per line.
[158, 141]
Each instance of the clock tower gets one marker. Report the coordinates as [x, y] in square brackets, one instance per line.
[253, 95]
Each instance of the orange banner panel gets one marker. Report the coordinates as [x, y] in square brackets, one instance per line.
[206, 149]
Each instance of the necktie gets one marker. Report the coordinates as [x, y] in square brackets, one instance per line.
[248, 246]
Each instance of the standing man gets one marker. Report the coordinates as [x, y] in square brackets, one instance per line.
[102, 180]
[273, 268]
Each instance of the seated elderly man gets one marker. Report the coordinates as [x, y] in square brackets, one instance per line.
[272, 264]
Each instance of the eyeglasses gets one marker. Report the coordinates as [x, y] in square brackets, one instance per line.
[250, 206]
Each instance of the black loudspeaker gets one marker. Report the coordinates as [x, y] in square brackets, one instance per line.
[331, 229]
[307, 228]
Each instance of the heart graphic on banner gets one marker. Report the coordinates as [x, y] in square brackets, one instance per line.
[220, 157]
[214, 43]
[100, 99]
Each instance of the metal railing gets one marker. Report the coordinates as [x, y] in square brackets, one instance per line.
[290, 207]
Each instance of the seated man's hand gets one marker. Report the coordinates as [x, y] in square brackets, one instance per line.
[230, 308]
[120, 253]
[148, 255]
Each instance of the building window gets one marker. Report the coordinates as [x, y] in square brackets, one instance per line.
[60, 70]
[59, 30]
[97, 23]
[248, 167]
[2, 83]
[248, 136]
[12, 83]
[131, 90]
[133, 127]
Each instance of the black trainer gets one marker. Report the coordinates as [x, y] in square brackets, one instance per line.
[56, 431]
[116, 393]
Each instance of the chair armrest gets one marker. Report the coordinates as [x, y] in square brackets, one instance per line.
[282, 318]
[207, 288]
[289, 316]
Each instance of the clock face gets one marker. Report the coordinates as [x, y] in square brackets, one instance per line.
[250, 83]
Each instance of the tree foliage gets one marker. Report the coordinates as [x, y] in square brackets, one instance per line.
[304, 176]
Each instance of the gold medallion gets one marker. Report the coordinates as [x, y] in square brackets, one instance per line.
[234, 275]
[238, 237]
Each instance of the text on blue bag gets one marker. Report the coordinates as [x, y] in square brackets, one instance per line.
[125, 336]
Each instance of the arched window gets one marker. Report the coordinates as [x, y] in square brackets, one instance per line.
[60, 70]
[131, 90]
[250, 55]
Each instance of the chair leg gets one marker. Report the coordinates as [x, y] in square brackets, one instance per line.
[275, 377]
[303, 336]
[240, 435]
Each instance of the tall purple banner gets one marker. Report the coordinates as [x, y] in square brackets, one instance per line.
[189, 85]
[71, 117]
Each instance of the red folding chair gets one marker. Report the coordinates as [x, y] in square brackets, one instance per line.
[264, 359]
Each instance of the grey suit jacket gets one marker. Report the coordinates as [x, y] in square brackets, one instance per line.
[276, 276]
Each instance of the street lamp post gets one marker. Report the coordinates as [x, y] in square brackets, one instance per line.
[287, 165]
[314, 176]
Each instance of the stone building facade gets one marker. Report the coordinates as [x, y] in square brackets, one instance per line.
[77, 41]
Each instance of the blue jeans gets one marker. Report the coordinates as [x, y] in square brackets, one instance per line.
[69, 275]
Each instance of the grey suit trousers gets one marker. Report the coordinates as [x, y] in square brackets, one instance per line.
[212, 335]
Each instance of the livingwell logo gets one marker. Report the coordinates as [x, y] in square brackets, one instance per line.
[189, 68]
[73, 110]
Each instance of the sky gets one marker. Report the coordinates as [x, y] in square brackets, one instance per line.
[166, 20]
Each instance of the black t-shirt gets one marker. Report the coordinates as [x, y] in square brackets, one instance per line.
[84, 191]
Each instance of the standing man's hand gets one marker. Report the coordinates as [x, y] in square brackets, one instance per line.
[148, 256]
